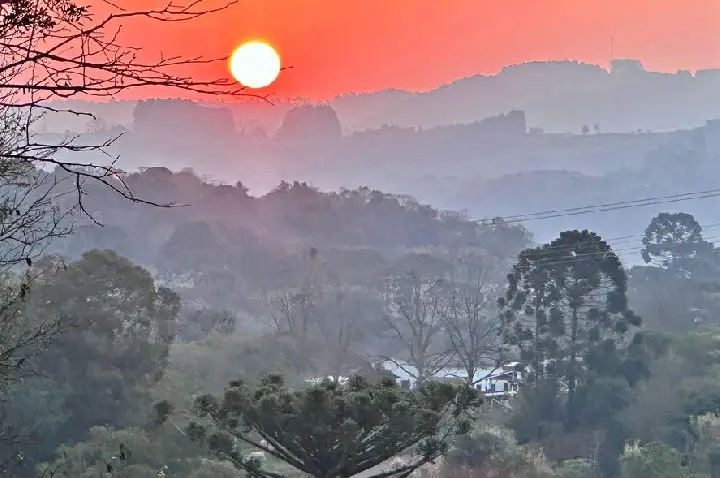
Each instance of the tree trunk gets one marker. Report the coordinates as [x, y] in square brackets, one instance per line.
[573, 362]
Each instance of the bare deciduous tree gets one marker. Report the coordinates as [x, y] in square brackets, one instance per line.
[58, 49]
[415, 316]
[29, 214]
[343, 319]
[293, 317]
[471, 321]
[317, 318]
[293, 313]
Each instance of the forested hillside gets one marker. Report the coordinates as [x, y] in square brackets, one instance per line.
[214, 231]
[162, 306]
[157, 324]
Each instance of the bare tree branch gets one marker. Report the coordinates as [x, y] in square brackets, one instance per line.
[471, 321]
[59, 49]
[416, 317]
[342, 319]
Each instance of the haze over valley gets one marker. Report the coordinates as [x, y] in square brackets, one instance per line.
[524, 143]
[211, 267]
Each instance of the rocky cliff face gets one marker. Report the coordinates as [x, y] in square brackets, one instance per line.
[181, 117]
[310, 122]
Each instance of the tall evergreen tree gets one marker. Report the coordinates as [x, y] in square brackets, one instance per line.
[334, 430]
[566, 310]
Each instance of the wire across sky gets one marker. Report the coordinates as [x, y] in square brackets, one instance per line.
[607, 207]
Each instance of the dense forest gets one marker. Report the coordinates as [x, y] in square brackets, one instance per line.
[140, 347]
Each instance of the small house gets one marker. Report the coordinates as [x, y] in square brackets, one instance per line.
[500, 383]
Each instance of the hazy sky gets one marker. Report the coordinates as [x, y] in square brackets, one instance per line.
[339, 46]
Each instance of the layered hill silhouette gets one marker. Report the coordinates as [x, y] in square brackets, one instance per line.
[560, 96]
[534, 137]
[563, 97]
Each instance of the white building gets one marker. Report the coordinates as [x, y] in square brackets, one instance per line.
[500, 383]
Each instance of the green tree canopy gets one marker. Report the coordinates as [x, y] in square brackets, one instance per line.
[331, 429]
[653, 460]
[673, 240]
[566, 309]
[682, 261]
[491, 449]
[567, 313]
[118, 329]
[134, 453]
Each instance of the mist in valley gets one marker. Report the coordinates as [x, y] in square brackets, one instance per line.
[507, 276]
[573, 152]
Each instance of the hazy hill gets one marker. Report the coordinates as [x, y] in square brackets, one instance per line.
[430, 164]
[560, 96]
[223, 229]
[564, 96]
[678, 176]
[435, 165]
[488, 169]
[355, 110]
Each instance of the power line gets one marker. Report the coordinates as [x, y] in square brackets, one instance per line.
[619, 239]
[574, 258]
[606, 207]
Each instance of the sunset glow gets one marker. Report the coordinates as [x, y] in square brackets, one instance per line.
[255, 64]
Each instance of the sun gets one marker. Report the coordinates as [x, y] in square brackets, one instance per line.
[255, 64]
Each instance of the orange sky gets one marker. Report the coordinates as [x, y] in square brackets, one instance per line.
[340, 46]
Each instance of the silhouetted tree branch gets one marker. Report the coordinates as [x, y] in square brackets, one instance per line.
[471, 321]
[415, 316]
[58, 49]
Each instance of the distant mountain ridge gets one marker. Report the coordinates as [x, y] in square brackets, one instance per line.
[564, 96]
[559, 96]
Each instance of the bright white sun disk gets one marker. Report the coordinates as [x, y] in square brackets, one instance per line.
[255, 64]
